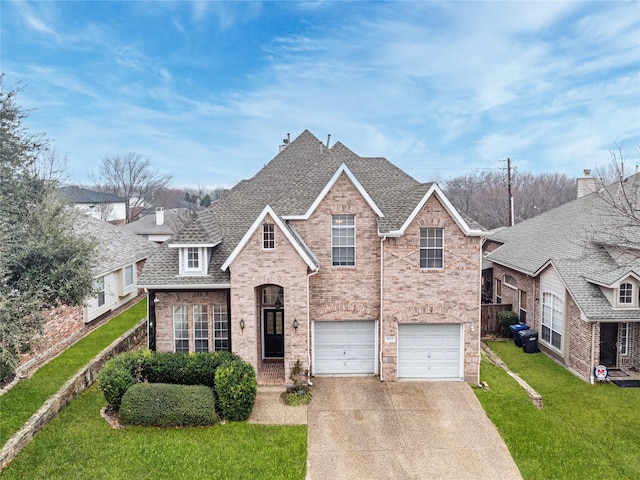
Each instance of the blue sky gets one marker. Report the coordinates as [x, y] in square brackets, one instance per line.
[208, 90]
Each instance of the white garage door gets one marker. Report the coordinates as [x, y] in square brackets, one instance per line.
[343, 348]
[429, 351]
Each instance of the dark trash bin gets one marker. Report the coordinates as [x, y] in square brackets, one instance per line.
[529, 340]
[515, 329]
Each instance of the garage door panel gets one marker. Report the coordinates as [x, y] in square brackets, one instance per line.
[344, 347]
[429, 351]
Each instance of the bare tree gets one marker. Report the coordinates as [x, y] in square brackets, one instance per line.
[483, 196]
[52, 166]
[618, 187]
[130, 176]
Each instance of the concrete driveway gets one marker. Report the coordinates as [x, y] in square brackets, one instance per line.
[361, 428]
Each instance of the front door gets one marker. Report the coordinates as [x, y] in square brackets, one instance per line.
[273, 328]
[608, 341]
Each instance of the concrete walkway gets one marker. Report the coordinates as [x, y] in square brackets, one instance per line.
[360, 428]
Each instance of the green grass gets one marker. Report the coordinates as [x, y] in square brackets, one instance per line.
[79, 444]
[26, 397]
[583, 432]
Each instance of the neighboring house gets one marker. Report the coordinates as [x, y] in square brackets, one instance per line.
[344, 263]
[103, 206]
[572, 279]
[159, 226]
[120, 256]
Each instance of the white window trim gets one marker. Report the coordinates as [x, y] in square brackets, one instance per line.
[633, 302]
[624, 338]
[420, 248]
[173, 323]
[513, 286]
[354, 241]
[207, 323]
[220, 309]
[101, 287]
[550, 326]
[203, 261]
[273, 225]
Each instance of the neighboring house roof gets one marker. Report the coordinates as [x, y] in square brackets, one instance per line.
[73, 194]
[116, 247]
[292, 185]
[577, 239]
[173, 220]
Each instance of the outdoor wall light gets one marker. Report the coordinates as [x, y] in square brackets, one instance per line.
[241, 324]
[295, 323]
[278, 304]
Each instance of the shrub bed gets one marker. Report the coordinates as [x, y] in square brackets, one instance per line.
[167, 405]
[234, 391]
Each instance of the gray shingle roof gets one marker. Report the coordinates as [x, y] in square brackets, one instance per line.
[290, 183]
[147, 225]
[576, 238]
[73, 194]
[116, 247]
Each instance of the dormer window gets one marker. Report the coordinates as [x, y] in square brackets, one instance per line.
[626, 294]
[193, 261]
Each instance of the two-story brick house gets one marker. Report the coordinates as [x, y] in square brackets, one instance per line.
[575, 278]
[344, 263]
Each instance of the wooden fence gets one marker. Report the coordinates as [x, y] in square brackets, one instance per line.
[489, 317]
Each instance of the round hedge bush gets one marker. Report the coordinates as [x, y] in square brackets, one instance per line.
[236, 389]
[115, 379]
[168, 405]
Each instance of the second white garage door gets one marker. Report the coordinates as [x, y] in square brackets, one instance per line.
[429, 351]
[344, 348]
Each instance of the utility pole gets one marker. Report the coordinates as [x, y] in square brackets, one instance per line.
[511, 209]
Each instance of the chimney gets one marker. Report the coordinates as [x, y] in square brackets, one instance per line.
[586, 184]
[159, 216]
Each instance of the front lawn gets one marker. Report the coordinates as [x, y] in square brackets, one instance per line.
[584, 431]
[80, 444]
[27, 396]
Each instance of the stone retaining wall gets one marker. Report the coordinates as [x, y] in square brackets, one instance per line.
[70, 390]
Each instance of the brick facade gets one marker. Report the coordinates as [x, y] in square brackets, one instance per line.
[338, 293]
[448, 295]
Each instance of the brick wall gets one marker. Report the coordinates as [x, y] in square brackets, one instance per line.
[164, 314]
[415, 295]
[254, 268]
[579, 338]
[511, 296]
[344, 293]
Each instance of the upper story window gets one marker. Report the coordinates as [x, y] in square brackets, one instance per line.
[431, 248]
[193, 261]
[343, 240]
[268, 236]
[626, 294]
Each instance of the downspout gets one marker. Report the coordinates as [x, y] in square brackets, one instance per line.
[384, 237]
[593, 352]
[309, 328]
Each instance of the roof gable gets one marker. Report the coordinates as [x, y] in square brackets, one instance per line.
[342, 169]
[434, 189]
[268, 211]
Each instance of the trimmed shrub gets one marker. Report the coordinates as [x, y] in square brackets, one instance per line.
[115, 379]
[167, 405]
[506, 318]
[236, 389]
[185, 368]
